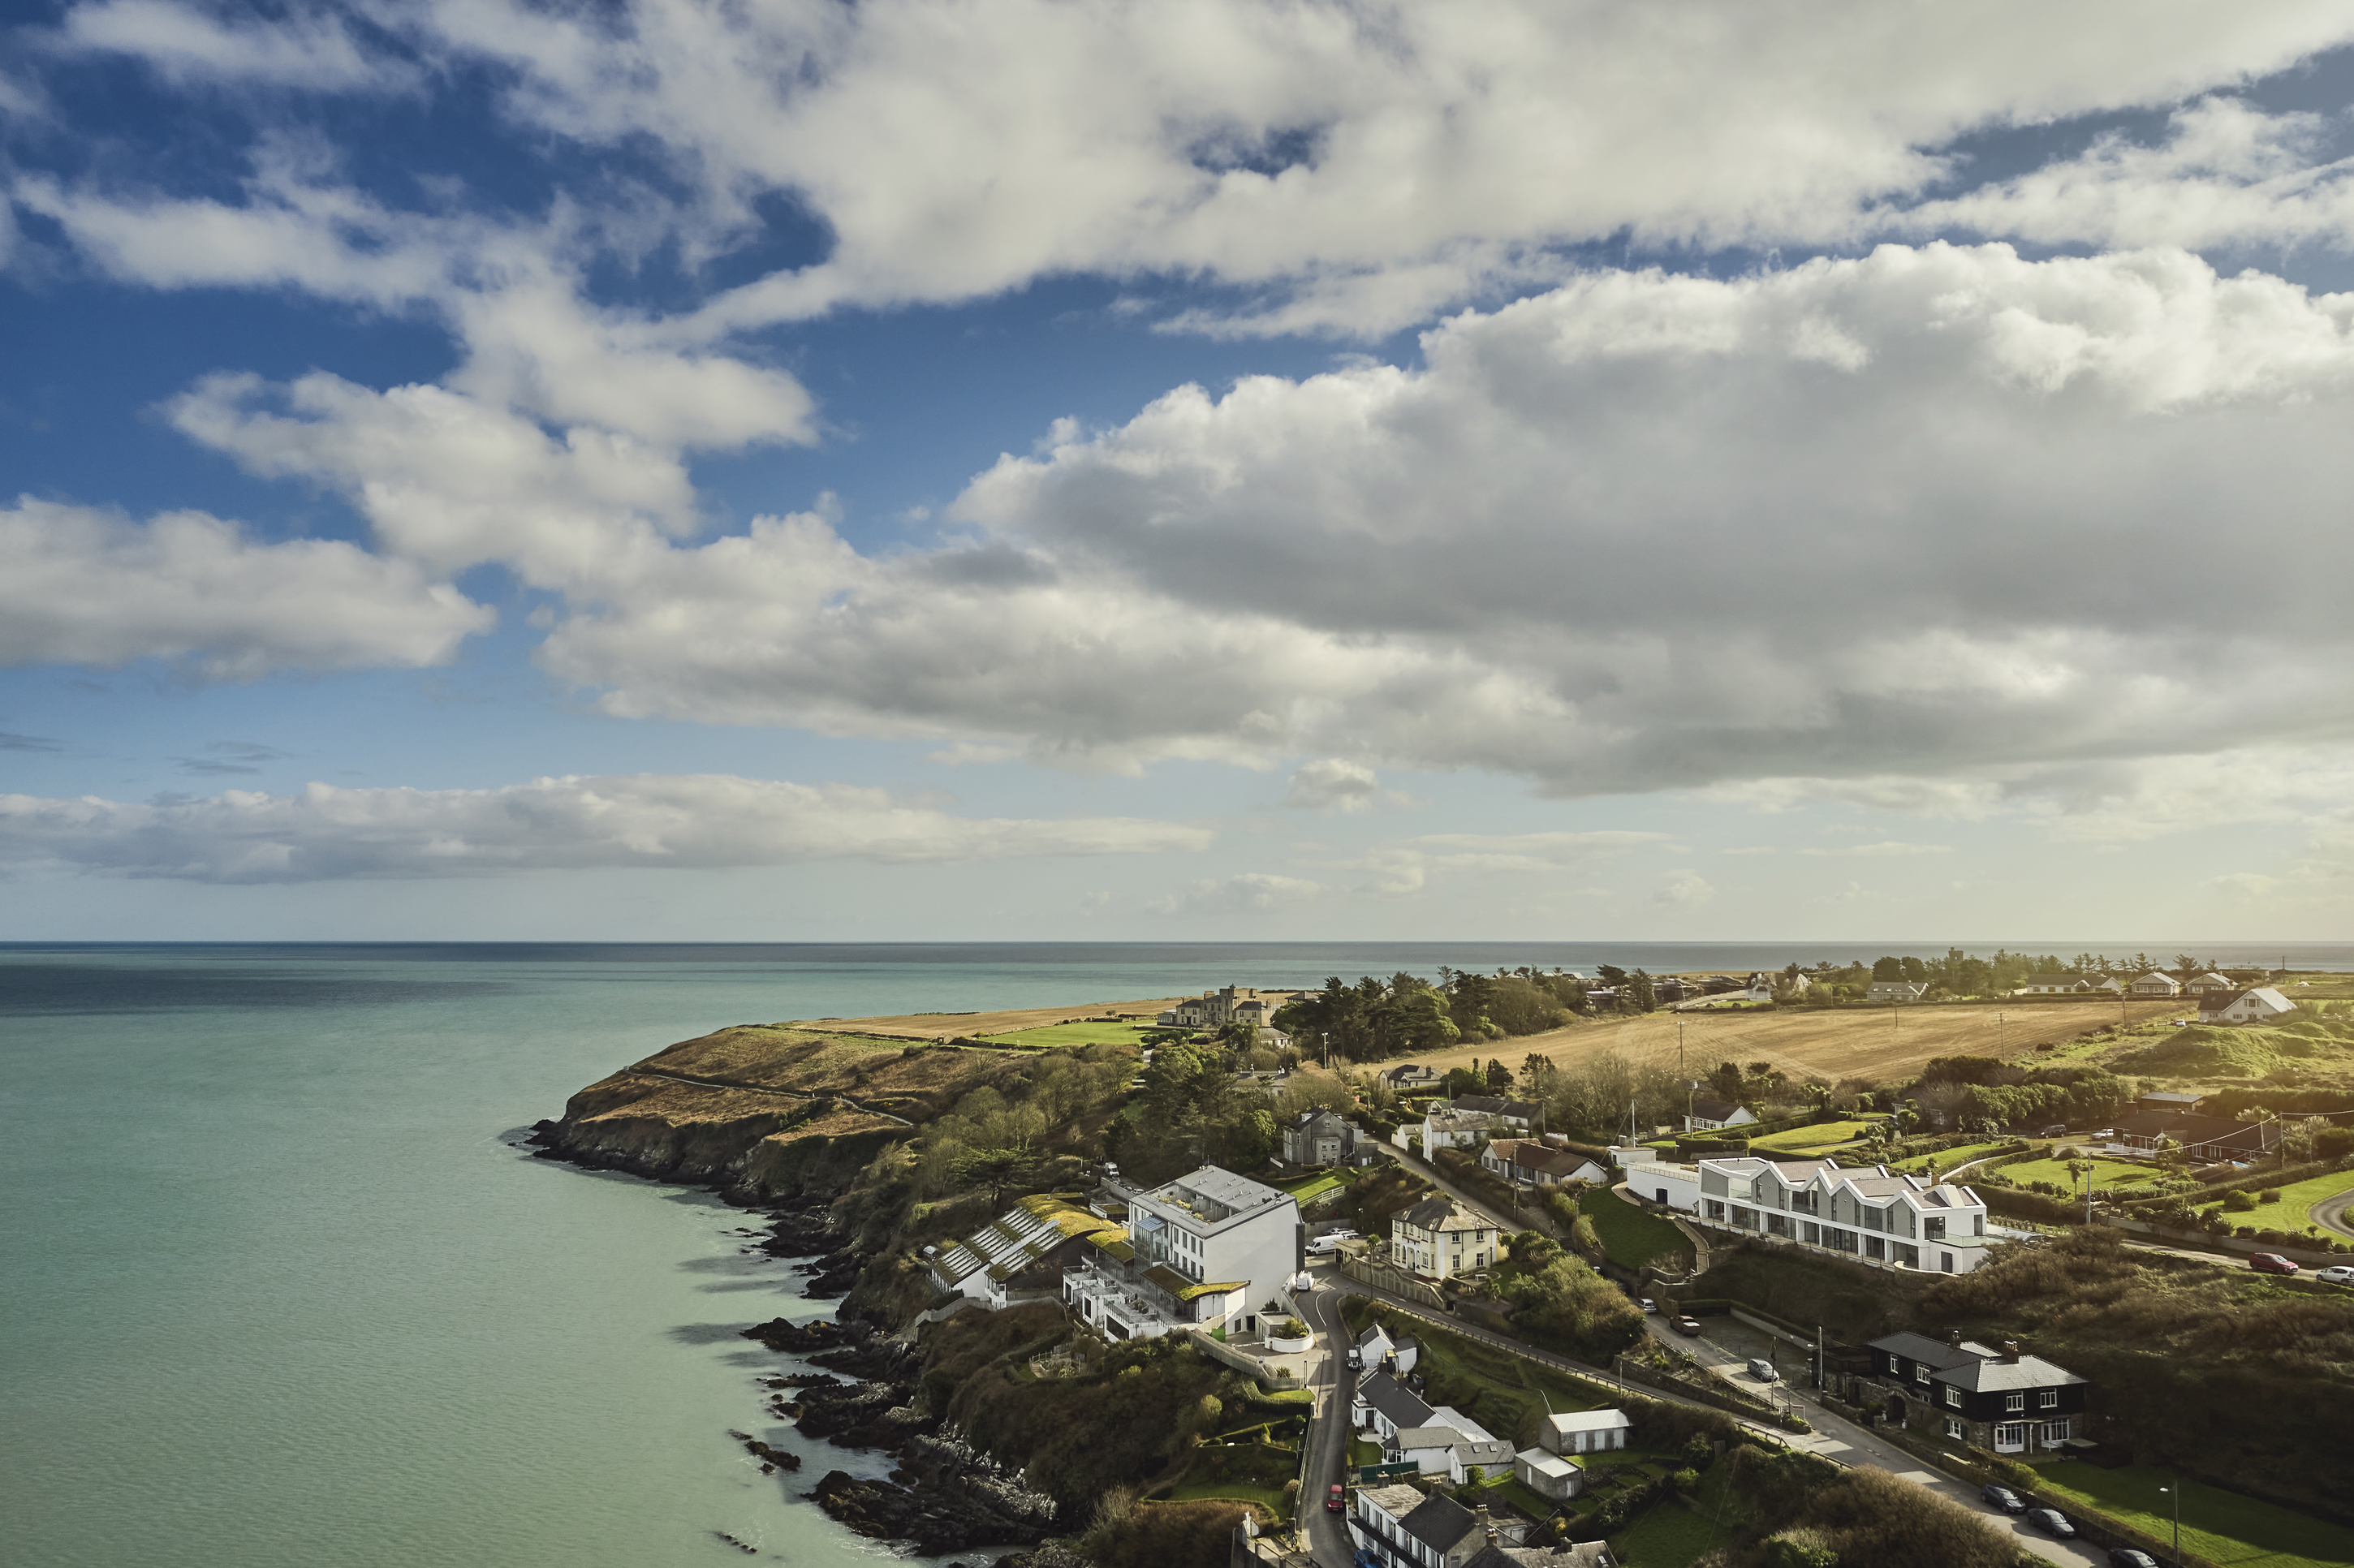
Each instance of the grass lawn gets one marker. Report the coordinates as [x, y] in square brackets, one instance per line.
[2106, 1173]
[2217, 1524]
[1669, 1536]
[1083, 1033]
[1512, 1492]
[1311, 1185]
[1813, 1136]
[1945, 1159]
[2292, 1211]
[1632, 1236]
[1268, 1498]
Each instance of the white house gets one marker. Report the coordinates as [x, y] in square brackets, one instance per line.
[1409, 1076]
[1438, 1237]
[1667, 1184]
[2260, 1005]
[1458, 1129]
[2051, 985]
[2157, 982]
[1385, 1408]
[1863, 1214]
[2210, 984]
[1377, 1351]
[1449, 1443]
[1398, 1527]
[1519, 1115]
[1709, 1112]
[1198, 1249]
[1548, 1475]
[1895, 990]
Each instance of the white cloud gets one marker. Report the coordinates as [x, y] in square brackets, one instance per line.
[186, 44]
[1246, 894]
[88, 587]
[1882, 850]
[1684, 890]
[1334, 784]
[1355, 165]
[696, 821]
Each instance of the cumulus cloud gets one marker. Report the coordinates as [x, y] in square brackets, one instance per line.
[1363, 164]
[1684, 890]
[696, 822]
[1883, 849]
[1334, 784]
[1904, 521]
[1246, 894]
[89, 587]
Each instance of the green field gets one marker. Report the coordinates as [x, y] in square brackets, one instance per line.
[1944, 1159]
[1810, 1138]
[2217, 1524]
[1632, 1236]
[1268, 1498]
[2292, 1211]
[1314, 1184]
[1088, 1033]
[2106, 1173]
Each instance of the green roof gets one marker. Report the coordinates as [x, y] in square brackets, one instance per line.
[1184, 1289]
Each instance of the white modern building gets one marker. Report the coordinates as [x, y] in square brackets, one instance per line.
[1197, 1251]
[1863, 1214]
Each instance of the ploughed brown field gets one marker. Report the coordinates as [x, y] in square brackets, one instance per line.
[1851, 1041]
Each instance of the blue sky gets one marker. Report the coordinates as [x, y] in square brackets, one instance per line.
[1090, 471]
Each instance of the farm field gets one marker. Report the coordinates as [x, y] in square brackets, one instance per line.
[2222, 1526]
[941, 1025]
[1086, 1031]
[1827, 1043]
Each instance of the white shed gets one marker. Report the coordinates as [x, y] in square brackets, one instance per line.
[1548, 1475]
[1586, 1431]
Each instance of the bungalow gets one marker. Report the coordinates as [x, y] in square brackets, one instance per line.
[2164, 1100]
[1437, 1238]
[2051, 985]
[2210, 984]
[1548, 1475]
[1961, 1390]
[1540, 1165]
[2157, 982]
[1450, 1444]
[1585, 1431]
[1396, 1527]
[1458, 1129]
[2259, 1005]
[2107, 983]
[1895, 990]
[2206, 1139]
[1519, 1115]
[1409, 1076]
[1709, 1112]
[1667, 987]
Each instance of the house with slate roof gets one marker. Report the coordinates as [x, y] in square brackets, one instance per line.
[1518, 1115]
[1994, 1398]
[1384, 1406]
[2260, 1004]
[1318, 1136]
[1437, 1238]
[1708, 1113]
[1398, 1527]
[2207, 1139]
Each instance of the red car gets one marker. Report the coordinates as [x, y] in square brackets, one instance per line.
[1336, 1500]
[2270, 1263]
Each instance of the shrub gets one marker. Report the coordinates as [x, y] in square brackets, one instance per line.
[2238, 1200]
[1685, 1481]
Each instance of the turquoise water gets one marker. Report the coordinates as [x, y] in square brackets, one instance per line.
[277, 1288]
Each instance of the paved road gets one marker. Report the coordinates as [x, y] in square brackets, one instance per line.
[1328, 1538]
[1837, 1438]
[2331, 1214]
[1431, 1174]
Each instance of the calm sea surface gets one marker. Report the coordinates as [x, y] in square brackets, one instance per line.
[276, 1288]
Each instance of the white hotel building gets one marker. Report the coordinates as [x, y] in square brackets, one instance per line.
[1203, 1251]
[1864, 1214]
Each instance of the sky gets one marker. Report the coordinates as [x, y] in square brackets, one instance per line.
[1188, 470]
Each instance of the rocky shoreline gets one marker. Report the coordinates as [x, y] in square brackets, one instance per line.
[941, 1495]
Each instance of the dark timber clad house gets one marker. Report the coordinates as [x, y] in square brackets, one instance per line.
[1958, 1389]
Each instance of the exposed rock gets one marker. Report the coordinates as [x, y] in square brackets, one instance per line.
[784, 1335]
[776, 1458]
[946, 1511]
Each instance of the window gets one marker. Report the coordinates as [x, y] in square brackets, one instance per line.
[1920, 1372]
[2054, 1434]
[2014, 1403]
[1953, 1396]
[2010, 1434]
[2049, 1399]
[1892, 1365]
[1954, 1428]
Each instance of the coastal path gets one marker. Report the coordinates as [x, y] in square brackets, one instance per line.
[1834, 1438]
[694, 1081]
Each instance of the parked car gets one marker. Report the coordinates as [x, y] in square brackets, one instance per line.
[1337, 1500]
[2270, 1263]
[1688, 1326]
[2336, 1274]
[2057, 1130]
[2126, 1557]
[1356, 1358]
[2051, 1523]
[2003, 1498]
[1763, 1370]
[1650, 1308]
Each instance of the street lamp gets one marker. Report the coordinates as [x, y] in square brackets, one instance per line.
[2175, 1491]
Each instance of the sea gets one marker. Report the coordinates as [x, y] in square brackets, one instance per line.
[279, 1285]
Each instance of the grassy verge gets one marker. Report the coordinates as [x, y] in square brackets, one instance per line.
[2106, 1172]
[1945, 1159]
[1669, 1536]
[1632, 1236]
[1086, 1033]
[2223, 1526]
[1315, 1184]
[1268, 1498]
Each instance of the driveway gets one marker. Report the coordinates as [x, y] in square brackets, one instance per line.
[1834, 1437]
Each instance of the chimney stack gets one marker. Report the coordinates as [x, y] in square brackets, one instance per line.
[1954, 1339]
[1487, 1525]
[2011, 1352]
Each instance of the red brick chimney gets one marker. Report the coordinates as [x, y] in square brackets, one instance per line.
[2011, 1352]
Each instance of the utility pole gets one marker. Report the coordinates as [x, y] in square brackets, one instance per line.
[2175, 1491]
